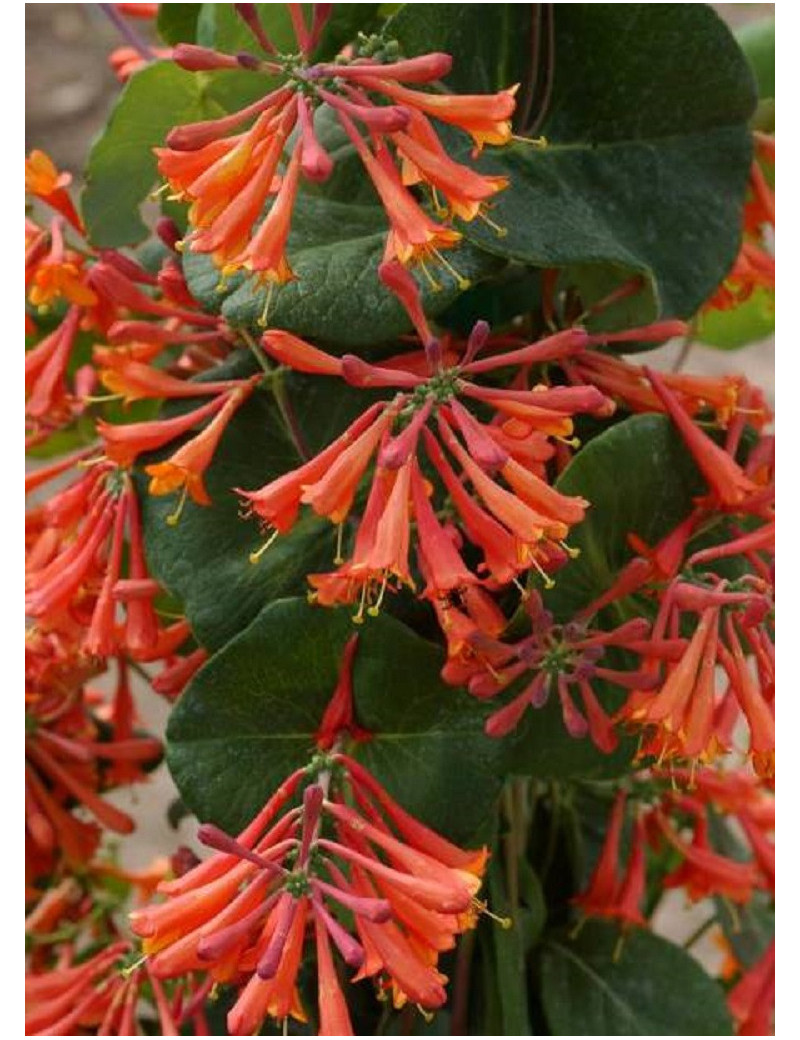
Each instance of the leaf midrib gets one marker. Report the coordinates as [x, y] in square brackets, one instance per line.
[600, 982]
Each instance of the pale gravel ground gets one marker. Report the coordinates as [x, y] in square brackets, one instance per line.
[69, 88]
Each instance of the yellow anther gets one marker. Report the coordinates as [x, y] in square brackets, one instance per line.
[548, 581]
[498, 229]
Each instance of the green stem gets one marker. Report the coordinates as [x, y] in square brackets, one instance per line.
[462, 984]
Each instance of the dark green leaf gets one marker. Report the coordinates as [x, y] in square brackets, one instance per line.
[509, 958]
[639, 478]
[334, 249]
[249, 716]
[122, 167]
[177, 23]
[541, 746]
[204, 559]
[653, 988]
[647, 152]
[343, 26]
[490, 43]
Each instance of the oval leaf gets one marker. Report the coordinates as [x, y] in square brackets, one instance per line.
[249, 716]
[652, 988]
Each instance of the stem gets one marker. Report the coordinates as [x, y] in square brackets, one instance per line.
[126, 31]
[699, 932]
[548, 13]
[461, 984]
[289, 418]
[257, 352]
[685, 351]
[552, 837]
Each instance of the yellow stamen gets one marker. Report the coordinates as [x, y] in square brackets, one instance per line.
[569, 550]
[578, 928]
[462, 282]
[374, 610]
[338, 558]
[262, 321]
[173, 518]
[358, 619]
[127, 972]
[483, 908]
[256, 555]
[498, 229]
[536, 142]
[548, 581]
[431, 280]
[615, 956]
[102, 398]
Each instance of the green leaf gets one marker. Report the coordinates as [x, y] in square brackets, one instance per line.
[639, 478]
[750, 322]
[647, 153]
[204, 560]
[757, 40]
[653, 988]
[249, 716]
[334, 249]
[177, 23]
[541, 746]
[343, 26]
[122, 167]
[490, 43]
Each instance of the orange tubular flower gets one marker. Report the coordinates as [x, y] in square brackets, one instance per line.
[608, 894]
[185, 469]
[752, 999]
[728, 483]
[485, 117]
[521, 524]
[413, 236]
[228, 179]
[43, 180]
[705, 872]
[347, 864]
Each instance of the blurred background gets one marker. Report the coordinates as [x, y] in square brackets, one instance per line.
[69, 90]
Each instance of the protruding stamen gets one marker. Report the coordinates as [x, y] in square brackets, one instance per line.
[462, 282]
[174, 517]
[256, 555]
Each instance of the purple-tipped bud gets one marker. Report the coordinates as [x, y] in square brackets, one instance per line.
[284, 915]
[215, 946]
[482, 447]
[351, 950]
[433, 354]
[377, 910]
[202, 59]
[315, 164]
[128, 267]
[396, 451]
[248, 61]
[385, 119]
[249, 15]
[477, 340]
[360, 373]
[168, 231]
[215, 838]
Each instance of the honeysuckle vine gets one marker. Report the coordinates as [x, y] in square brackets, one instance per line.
[466, 625]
